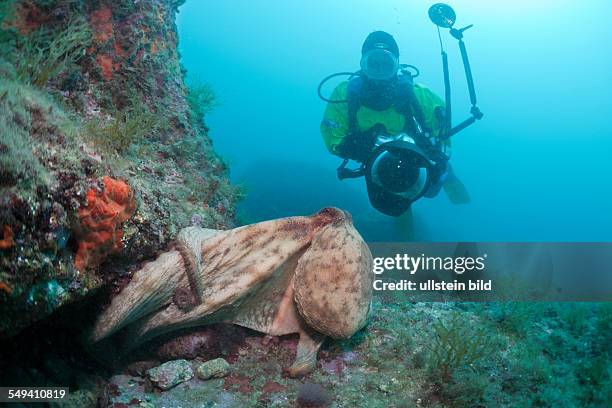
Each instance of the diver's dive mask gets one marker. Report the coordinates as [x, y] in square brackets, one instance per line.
[379, 63]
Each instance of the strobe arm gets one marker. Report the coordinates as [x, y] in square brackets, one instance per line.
[474, 111]
[448, 115]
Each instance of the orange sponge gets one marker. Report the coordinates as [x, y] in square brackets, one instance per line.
[100, 222]
[7, 237]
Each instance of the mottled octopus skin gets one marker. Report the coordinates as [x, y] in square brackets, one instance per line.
[306, 275]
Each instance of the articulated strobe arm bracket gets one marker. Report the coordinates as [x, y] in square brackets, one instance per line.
[474, 110]
[443, 16]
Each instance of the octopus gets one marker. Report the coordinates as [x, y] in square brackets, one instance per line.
[309, 275]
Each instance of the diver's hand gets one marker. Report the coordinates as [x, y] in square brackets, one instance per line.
[361, 153]
[356, 148]
[343, 173]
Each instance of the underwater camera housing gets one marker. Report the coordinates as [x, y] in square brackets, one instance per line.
[397, 174]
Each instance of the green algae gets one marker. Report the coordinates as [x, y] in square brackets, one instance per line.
[24, 107]
[122, 128]
[46, 52]
[456, 345]
[201, 98]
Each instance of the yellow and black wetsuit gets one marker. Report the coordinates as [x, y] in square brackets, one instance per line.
[335, 127]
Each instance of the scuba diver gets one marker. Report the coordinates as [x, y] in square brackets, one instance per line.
[381, 101]
[383, 105]
[397, 130]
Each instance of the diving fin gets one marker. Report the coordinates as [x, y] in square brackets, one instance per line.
[404, 226]
[455, 189]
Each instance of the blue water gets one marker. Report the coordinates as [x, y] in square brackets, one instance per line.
[538, 166]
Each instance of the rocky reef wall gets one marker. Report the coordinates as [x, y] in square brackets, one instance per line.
[104, 153]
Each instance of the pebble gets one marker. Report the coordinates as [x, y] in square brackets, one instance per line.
[216, 368]
[170, 374]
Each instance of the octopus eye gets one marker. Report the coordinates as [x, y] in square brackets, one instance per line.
[348, 216]
[332, 215]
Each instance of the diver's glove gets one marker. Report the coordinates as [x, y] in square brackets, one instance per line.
[359, 146]
[354, 149]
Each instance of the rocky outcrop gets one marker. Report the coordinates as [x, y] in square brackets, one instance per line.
[93, 104]
[170, 374]
[217, 368]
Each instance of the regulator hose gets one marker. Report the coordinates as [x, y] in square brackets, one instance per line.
[327, 78]
[404, 69]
